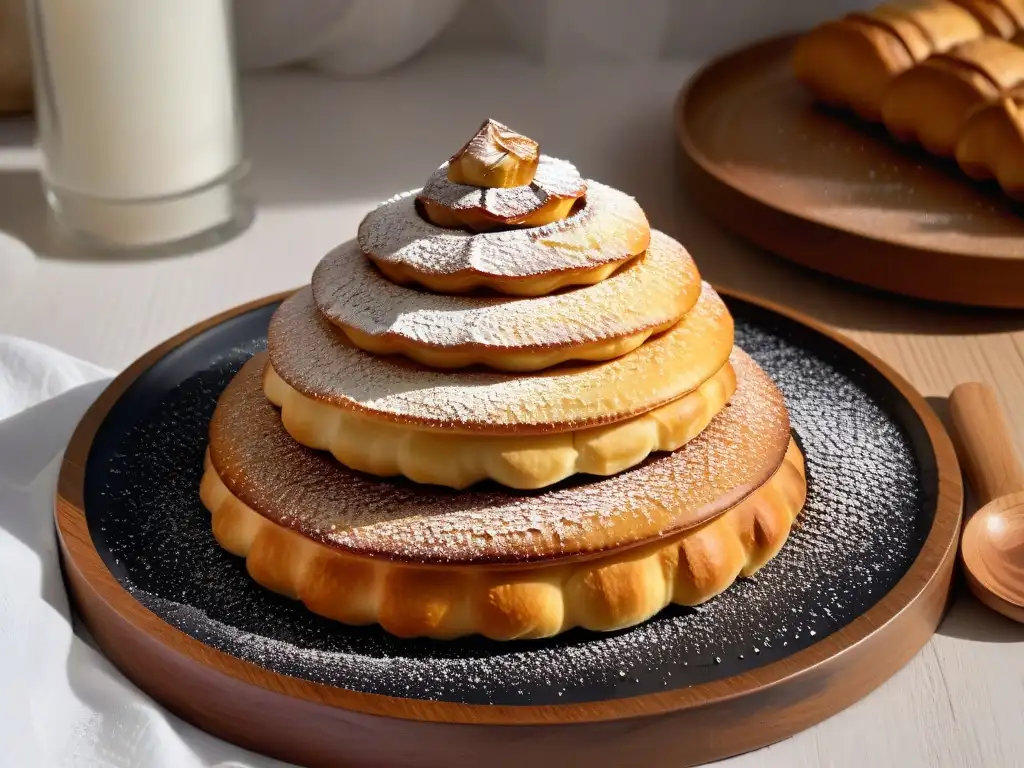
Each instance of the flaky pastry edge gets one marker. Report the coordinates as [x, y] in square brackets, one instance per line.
[616, 590]
[523, 462]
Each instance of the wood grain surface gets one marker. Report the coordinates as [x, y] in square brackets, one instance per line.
[324, 152]
[318, 725]
[984, 443]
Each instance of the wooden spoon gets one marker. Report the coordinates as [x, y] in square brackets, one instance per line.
[992, 546]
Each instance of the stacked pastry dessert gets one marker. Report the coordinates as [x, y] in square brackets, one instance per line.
[948, 75]
[508, 407]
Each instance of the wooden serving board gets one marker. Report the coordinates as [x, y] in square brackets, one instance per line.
[856, 591]
[831, 192]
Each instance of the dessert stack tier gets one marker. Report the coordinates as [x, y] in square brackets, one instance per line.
[603, 321]
[506, 368]
[390, 416]
[455, 388]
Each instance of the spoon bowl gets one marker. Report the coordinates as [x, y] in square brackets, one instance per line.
[992, 550]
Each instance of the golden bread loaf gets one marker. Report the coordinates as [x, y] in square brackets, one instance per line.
[1002, 18]
[850, 62]
[931, 77]
[495, 157]
[499, 179]
[991, 144]
[930, 102]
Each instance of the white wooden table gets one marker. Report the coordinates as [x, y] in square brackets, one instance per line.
[324, 152]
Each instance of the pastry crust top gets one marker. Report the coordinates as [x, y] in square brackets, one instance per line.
[314, 358]
[554, 179]
[655, 289]
[610, 228]
[310, 492]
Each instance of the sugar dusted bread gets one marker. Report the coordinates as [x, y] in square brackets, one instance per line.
[930, 102]
[850, 62]
[991, 145]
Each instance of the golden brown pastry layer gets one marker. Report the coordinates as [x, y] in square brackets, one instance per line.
[929, 103]
[549, 197]
[1002, 18]
[606, 232]
[850, 62]
[526, 463]
[309, 491]
[991, 144]
[316, 359]
[616, 590]
[599, 322]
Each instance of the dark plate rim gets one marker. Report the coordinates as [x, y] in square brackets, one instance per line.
[917, 585]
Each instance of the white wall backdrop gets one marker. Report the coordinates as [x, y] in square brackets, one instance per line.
[358, 38]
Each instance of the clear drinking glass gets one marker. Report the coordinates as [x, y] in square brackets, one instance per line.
[139, 121]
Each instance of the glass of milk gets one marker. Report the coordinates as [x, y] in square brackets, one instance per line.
[139, 122]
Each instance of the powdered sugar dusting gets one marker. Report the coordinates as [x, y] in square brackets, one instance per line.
[316, 359]
[603, 231]
[314, 494]
[554, 179]
[658, 287]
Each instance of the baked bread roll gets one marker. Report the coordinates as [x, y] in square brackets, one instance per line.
[991, 144]
[930, 102]
[850, 62]
[1003, 18]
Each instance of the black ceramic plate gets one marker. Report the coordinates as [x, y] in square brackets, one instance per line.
[872, 496]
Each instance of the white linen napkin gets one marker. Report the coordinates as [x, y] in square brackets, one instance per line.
[62, 703]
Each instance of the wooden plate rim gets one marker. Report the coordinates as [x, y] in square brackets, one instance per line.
[89, 571]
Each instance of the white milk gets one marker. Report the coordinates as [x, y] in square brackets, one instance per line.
[138, 115]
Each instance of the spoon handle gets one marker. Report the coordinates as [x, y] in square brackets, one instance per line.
[983, 442]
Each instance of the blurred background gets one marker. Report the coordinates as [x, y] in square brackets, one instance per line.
[347, 102]
[362, 38]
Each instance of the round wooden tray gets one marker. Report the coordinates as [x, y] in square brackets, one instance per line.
[857, 590]
[828, 191]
